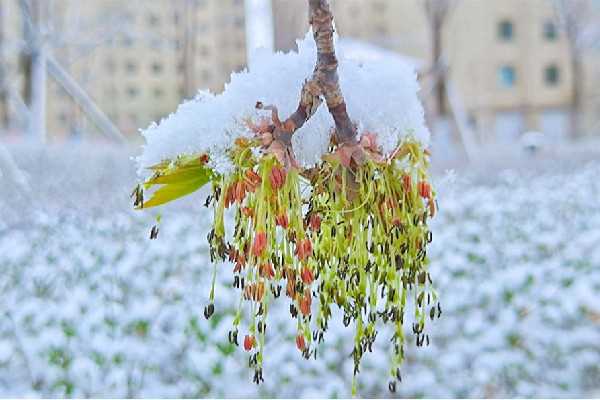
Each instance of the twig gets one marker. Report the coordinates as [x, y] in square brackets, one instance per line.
[324, 82]
[326, 74]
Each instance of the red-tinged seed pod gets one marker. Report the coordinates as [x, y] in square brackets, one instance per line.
[432, 208]
[406, 183]
[250, 186]
[390, 204]
[307, 247]
[283, 175]
[249, 291]
[315, 222]
[241, 142]
[203, 159]
[233, 254]
[239, 192]
[307, 275]
[249, 342]
[229, 195]
[282, 220]
[253, 177]
[287, 271]
[248, 212]
[277, 177]
[260, 242]
[266, 270]
[290, 288]
[305, 303]
[396, 222]
[299, 251]
[274, 178]
[279, 174]
[424, 189]
[300, 343]
[260, 291]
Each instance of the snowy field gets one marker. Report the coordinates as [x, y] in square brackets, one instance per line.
[89, 306]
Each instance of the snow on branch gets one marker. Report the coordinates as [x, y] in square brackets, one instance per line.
[380, 97]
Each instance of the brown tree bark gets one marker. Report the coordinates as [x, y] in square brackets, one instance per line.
[324, 83]
[437, 12]
[577, 103]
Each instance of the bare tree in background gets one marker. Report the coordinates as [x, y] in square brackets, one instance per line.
[34, 14]
[582, 29]
[3, 73]
[37, 63]
[437, 12]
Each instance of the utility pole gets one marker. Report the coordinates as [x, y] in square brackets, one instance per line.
[34, 13]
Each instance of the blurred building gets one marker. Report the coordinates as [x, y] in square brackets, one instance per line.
[508, 60]
[10, 30]
[136, 59]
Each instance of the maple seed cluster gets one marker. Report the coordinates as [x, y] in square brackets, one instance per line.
[270, 248]
[371, 247]
[358, 241]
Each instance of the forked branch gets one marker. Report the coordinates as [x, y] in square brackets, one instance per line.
[324, 82]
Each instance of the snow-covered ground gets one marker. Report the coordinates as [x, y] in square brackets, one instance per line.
[89, 306]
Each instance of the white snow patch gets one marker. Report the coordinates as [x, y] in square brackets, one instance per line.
[381, 97]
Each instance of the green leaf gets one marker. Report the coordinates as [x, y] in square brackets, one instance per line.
[173, 191]
[180, 175]
[179, 178]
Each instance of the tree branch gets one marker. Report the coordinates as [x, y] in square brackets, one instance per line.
[324, 82]
[326, 73]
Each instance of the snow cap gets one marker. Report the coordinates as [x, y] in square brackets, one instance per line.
[380, 93]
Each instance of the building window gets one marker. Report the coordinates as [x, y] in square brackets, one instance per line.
[506, 30]
[127, 41]
[158, 93]
[153, 20]
[381, 30]
[156, 43]
[550, 31]
[507, 76]
[63, 118]
[552, 75]
[239, 22]
[130, 67]
[132, 91]
[157, 68]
